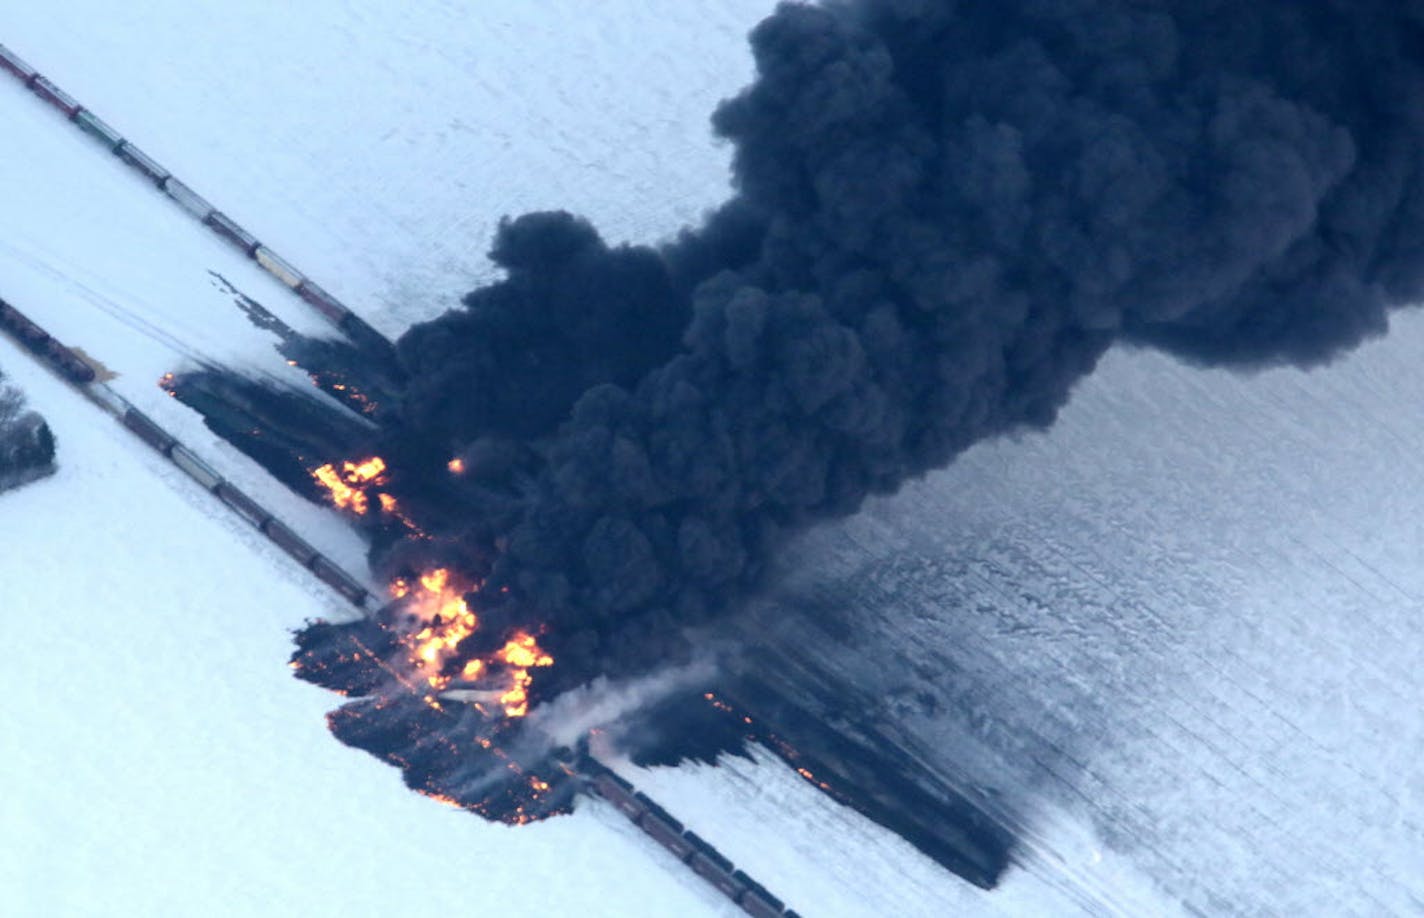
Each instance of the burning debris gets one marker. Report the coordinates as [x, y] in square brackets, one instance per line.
[348, 484]
[438, 694]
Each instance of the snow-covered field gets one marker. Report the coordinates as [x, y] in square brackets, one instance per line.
[1178, 636]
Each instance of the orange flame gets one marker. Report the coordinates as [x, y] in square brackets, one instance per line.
[348, 485]
[437, 599]
[449, 619]
[456, 466]
[522, 653]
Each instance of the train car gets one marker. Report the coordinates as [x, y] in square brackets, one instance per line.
[69, 365]
[187, 198]
[10, 61]
[621, 799]
[753, 904]
[19, 325]
[757, 900]
[148, 431]
[652, 807]
[229, 230]
[195, 468]
[338, 580]
[324, 302]
[289, 541]
[109, 400]
[717, 870]
[245, 506]
[141, 161]
[278, 267]
[42, 87]
[665, 834]
[95, 127]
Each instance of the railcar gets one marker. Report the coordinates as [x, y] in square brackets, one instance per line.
[69, 365]
[187, 198]
[148, 431]
[20, 325]
[757, 900]
[10, 61]
[195, 468]
[337, 579]
[667, 835]
[109, 400]
[245, 506]
[624, 801]
[716, 870]
[42, 87]
[290, 542]
[325, 303]
[95, 127]
[229, 230]
[141, 161]
[278, 267]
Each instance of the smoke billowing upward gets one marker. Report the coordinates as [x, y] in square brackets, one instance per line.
[945, 213]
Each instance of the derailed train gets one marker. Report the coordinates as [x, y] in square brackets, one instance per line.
[76, 370]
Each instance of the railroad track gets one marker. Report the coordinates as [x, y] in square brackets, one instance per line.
[685, 845]
[81, 375]
[328, 306]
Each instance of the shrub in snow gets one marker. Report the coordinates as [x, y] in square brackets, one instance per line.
[26, 443]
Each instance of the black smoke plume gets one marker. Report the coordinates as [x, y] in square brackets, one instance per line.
[945, 213]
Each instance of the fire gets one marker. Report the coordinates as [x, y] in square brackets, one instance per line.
[456, 466]
[437, 599]
[449, 621]
[522, 653]
[348, 485]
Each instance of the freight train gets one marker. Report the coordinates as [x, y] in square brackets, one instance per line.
[680, 842]
[361, 333]
[73, 368]
[60, 358]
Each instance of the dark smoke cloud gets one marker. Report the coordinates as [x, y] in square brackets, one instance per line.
[945, 213]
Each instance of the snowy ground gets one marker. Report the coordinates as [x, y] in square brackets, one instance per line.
[1178, 636]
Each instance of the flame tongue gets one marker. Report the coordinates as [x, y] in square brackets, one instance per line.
[438, 601]
[348, 484]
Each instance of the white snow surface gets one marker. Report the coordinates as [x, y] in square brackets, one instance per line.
[1185, 621]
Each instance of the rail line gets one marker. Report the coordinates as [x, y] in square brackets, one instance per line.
[333, 310]
[78, 372]
[685, 845]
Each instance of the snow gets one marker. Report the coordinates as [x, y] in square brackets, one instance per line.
[1177, 638]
